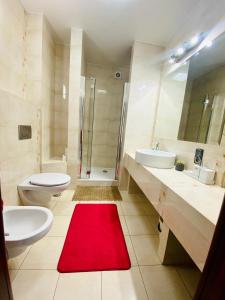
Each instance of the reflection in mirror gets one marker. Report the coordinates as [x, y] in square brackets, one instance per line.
[170, 105]
[203, 113]
[192, 99]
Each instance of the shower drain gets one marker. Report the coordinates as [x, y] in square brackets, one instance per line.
[105, 171]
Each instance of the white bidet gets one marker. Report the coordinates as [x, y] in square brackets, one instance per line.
[25, 225]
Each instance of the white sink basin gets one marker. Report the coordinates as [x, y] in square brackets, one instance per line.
[155, 158]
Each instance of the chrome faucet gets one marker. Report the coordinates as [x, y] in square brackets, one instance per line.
[156, 146]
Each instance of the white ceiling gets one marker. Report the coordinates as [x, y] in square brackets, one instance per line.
[111, 26]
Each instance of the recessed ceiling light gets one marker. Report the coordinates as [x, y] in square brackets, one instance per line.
[194, 41]
[180, 51]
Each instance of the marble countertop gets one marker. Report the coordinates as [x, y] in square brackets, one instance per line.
[206, 199]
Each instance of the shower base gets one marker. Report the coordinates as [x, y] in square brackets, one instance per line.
[102, 173]
[103, 176]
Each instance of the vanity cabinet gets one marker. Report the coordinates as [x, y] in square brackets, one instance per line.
[189, 209]
[150, 186]
[191, 229]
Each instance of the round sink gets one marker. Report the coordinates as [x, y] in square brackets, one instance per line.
[155, 158]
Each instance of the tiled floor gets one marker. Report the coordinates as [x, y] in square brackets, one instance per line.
[34, 275]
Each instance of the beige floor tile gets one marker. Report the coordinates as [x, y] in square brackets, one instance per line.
[12, 274]
[137, 209]
[60, 226]
[44, 254]
[35, 285]
[139, 225]
[79, 286]
[190, 276]
[131, 252]
[123, 285]
[16, 262]
[67, 195]
[64, 208]
[163, 283]
[124, 225]
[53, 202]
[130, 197]
[120, 211]
[145, 248]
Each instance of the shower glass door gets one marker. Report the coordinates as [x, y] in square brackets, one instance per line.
[87, 120]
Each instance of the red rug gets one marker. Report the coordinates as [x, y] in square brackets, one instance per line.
[94, 241]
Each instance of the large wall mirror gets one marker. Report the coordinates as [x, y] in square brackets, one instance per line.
[192, 98]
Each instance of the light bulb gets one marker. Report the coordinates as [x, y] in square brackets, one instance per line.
[209, 44]
[180, 51]
[194, 41]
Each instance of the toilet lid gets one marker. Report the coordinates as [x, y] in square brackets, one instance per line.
[49, 179]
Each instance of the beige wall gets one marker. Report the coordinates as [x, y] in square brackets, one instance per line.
[75, 69]
[170, 105]
[48, 93]
[28, 95]
[213, 155]
[107, 112]
[144, 90]
[61, 101]
[19, 96]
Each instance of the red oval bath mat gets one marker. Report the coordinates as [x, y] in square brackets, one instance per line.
[94, 241]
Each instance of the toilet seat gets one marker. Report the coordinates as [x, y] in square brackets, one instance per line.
[49, 179]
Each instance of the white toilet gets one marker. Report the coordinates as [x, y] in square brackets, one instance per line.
[38, 189]
[24, 226]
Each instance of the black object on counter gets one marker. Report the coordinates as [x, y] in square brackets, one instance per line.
[198, 156]
[179, 166]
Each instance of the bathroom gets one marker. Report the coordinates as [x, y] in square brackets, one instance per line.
[117, 107]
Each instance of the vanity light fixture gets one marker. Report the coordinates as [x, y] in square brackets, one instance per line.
[194, 41]
[180, 51]
[172, 60]
[187, 47]
[209, 44]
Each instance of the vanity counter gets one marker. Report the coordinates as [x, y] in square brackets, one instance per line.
[189, 208]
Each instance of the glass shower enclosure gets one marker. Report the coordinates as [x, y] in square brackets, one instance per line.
[102, 123]
[87, 102]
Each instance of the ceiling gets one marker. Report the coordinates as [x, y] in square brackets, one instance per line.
[111, 26]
